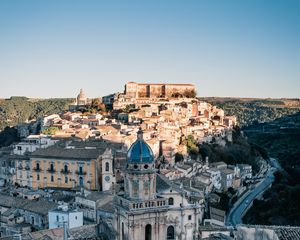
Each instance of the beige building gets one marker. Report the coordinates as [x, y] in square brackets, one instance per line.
[147, 90]
[71, 167]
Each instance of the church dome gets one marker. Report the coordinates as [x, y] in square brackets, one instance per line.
[81, 95]
[140, 152]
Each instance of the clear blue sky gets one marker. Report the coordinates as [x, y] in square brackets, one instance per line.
[247, 48]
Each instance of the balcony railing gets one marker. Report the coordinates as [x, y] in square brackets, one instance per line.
[27, 168]
[20, 167]
[37, 169]
[80, 172]
[51, 170]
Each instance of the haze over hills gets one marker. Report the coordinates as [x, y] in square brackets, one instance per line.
[256, 110]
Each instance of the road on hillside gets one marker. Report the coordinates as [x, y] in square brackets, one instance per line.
[235, 214]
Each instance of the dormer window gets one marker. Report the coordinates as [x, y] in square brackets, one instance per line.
[171, 201]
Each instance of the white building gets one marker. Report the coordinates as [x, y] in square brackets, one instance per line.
[151, 206]
[245, 171]
[32, 143]
[215, 175]
[71, 217]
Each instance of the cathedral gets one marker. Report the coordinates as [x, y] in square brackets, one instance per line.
[151, 207]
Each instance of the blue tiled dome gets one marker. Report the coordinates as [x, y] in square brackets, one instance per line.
[140, 151]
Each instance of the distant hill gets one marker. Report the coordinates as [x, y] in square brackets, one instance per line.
[255, 110]
[17, 110]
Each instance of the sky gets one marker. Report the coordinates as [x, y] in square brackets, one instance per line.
[52, 48]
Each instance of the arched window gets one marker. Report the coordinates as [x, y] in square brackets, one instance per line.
[107, 167]
[37, 166]
[66, 168]
[51, 167]
[171, 201]
[170, 233]
[148, 231]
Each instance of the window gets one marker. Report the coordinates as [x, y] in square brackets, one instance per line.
[66, 179]
[123, 233]
[51, 167]
[107, 167]
[32, 220]
[135, 188]
[52, 178]
[57, 218]
[19, 148]
[189, 217]
[80, 170]
[38, 177]
[66, 168]
[170, 233]
[81, 183]
[37, 166]
[76, 217]
[171, 201]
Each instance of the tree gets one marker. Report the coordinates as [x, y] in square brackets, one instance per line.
[50, 130]
[190, 93]
[191, 145]
[97, 105]
[178, 157]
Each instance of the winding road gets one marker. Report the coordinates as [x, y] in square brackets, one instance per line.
[236, 213]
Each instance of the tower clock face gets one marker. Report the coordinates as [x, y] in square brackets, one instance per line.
[107, 178]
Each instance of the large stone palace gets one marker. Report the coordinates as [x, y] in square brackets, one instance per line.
[146, 90]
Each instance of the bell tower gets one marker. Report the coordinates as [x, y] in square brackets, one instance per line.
[108, 179]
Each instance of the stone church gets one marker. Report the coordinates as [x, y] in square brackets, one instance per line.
[151, 207]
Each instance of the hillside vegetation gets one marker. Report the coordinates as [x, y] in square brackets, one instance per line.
[253, 110]
[281, 138]
[21, 109]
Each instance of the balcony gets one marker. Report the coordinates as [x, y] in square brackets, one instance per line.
[51, 170]
[80, 172]
[37, 169]
[154, 204]
[27, 168]
[20, 167]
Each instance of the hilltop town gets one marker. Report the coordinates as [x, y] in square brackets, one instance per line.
[128, 166]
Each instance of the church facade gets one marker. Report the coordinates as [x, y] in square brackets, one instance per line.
[151, 207]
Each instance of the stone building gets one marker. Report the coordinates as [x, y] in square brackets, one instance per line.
[151, 206]
[147, 90]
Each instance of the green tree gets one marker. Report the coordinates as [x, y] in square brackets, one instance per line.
[178, 157]
[50, 130]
